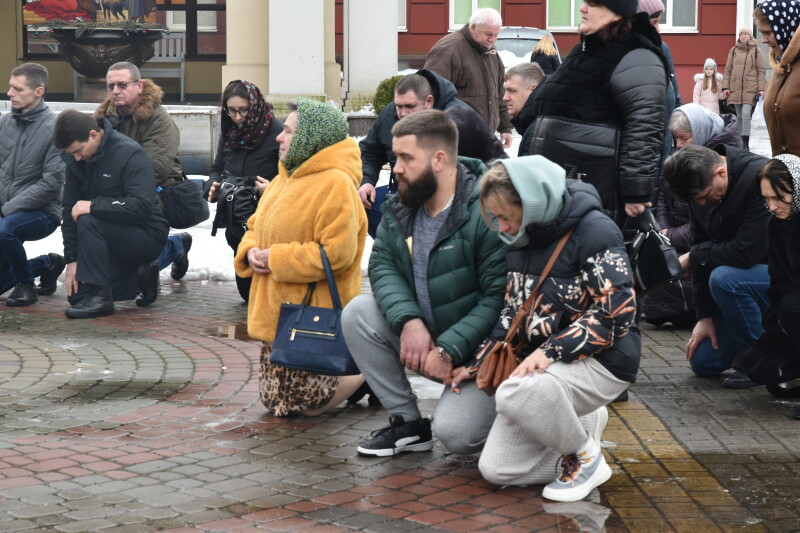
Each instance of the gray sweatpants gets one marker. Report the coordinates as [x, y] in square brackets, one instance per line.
[543, 416]
[461, 421]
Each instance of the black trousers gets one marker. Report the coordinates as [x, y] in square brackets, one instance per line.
[110, 253]
[789, 318]
[234, 236]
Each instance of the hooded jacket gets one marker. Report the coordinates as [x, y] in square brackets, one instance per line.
[745, 72]
[782, 101]
[601, 115]
[315, 204]
[150, 125]
[586, 306]
[706, 97]
[119, 181]
[729, 232]
[466, 269]
[31, 168]
[475, 139]
[476, 72]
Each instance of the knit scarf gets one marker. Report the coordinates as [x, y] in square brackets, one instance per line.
[319, 125]
[783, 17]
[249, 134]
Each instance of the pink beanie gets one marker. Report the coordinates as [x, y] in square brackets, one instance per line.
[651, 7]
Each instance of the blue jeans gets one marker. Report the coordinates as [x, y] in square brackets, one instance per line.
[741, 296]
[172, 251]
[374, 212]
[15, 229]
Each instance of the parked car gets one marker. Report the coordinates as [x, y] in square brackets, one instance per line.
[515, 43]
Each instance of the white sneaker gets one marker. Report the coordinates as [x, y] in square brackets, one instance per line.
[602, 422]
[581, 472]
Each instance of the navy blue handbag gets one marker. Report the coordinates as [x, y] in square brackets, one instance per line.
[310, 338]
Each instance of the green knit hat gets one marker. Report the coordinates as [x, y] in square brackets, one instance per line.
[319, 125]
[540, 184]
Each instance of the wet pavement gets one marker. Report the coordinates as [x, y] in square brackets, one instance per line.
[149, 420]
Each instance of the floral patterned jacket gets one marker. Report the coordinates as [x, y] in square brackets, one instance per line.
[587, 305]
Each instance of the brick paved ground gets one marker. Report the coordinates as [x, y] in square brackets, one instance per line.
[149, 421]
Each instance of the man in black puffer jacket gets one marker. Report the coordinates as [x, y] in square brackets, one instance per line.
[416, 92]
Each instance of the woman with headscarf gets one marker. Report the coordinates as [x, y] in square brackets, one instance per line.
[580, 347]
[778, 23]
[689, 124]
[744, 80]
[313, 201]
[775, 357]
[601, 115]
[247, 148]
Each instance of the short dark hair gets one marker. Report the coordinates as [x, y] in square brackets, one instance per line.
[615, 31]
[73, 126]
[690, 170]
[778, 176]
[529, 73]
[434, 131]
[35, 75]
[414, 82]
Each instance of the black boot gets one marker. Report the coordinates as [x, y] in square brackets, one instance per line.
[48, 281]
[181, 264]
[746, 142]
[23, 294]
[95, 302]
[148, 284]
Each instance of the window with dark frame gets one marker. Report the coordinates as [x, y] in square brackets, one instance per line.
[203, 21]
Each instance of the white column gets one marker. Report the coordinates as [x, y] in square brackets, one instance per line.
[370, 47]
[296, 47]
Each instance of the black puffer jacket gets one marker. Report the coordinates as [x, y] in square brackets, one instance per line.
[730, 232]
[586, 306]
[475, 139]
[601, 115]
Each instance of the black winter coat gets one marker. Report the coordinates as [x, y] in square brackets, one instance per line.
[601, 115]
[730, 232]
[522, 123]
[475, 139]
[548, 63]
[586, 306]
[119, 179]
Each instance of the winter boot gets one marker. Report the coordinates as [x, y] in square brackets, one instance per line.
[746, 142]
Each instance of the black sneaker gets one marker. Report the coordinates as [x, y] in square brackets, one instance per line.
[181, 265]
[399, 437]
[95, 302]
[48, 280]
[739, 380]
[23, 294]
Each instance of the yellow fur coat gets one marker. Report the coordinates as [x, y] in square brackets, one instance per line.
[317, 204]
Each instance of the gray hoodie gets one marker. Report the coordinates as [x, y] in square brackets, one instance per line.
[31, 169]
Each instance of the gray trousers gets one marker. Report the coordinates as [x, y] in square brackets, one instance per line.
[744, 113]
[461, 421]
[542, 417]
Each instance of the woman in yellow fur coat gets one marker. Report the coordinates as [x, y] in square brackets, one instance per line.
[312, 201]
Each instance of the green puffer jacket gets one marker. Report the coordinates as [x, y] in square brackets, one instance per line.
[466, 270]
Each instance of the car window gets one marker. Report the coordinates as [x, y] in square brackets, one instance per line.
[518, 46]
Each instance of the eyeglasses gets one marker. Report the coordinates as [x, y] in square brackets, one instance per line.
[231, 112]
[121, 84]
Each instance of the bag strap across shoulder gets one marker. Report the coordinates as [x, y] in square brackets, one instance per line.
[326, 264]
[526, 307]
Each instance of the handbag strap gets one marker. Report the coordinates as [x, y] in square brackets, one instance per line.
[526, 306]
[337, 303]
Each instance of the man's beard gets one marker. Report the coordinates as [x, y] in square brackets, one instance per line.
[413, 195]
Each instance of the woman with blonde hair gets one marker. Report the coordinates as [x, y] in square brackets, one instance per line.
[546, 55]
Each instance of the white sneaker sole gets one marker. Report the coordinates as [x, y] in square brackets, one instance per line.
[573, 494]
[388, 452]
[602, 422]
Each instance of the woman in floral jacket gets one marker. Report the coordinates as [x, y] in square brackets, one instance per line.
[581, 346]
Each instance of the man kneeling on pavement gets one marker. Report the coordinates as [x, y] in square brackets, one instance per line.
[113, 225]
[438, 275]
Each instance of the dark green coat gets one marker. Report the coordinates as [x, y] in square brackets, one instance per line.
[466, 271]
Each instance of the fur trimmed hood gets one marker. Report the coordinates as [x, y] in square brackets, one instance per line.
[699, 77]
[143, 110]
